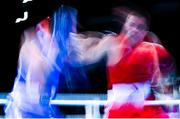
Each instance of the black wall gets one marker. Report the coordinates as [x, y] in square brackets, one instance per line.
[93, 15]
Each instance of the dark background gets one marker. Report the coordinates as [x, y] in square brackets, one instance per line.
[92, 15]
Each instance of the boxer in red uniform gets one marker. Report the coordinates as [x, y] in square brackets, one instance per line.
[136, 65]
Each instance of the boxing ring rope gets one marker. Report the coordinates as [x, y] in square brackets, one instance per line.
[92, 107]
[92, 102]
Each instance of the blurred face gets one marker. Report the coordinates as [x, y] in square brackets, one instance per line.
[135, 28]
